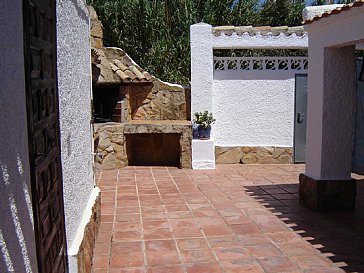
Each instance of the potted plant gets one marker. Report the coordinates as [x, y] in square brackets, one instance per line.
[204, 121]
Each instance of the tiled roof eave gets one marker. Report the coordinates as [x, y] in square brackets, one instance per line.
[135, 81]
[258, 31]
[128, 71]
[334, 11]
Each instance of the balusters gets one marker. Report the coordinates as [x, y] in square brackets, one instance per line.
[260, 63]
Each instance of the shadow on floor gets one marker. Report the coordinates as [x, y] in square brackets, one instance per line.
[338, 235]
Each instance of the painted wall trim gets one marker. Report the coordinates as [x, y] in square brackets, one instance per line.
[76, 243]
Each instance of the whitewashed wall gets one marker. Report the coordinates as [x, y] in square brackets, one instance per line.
[252, 108]
[254, 112]
[74, 81]
[253, 100]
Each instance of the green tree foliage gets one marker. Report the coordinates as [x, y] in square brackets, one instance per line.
[155, 33]
[281, 13]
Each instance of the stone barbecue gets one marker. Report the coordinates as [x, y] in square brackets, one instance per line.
[139, 120]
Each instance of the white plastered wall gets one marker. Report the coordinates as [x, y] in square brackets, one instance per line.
[254, 109]
[336, 31]
[74, 81]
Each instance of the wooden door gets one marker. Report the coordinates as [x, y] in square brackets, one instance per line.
[43, 133]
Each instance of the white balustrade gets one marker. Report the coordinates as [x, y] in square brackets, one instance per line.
[260, 63]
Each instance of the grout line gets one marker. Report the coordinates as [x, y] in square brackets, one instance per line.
[114, 220]
[141, 222]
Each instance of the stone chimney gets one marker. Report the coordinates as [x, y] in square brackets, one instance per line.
[96, 29]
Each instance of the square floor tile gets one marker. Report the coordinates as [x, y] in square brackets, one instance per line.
[160, 245]
[126, 247]
[192, 243]
[204, 268]
[127, 236]
[232, 253]
[264, 250]
[197, 255]
[157, 234]
[131, 259]
[277, 264]
[166, 269]
[162, 258]
[181, 233]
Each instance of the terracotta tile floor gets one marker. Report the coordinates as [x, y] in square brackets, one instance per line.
[237, 218]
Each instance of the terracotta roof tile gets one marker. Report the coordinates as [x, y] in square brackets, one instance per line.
[120, 65]
[137, 73]
[122, 75]
[147, 76]
[113, 66]
[127, 70]
[131, 75]
[335, 11]
[262, 30]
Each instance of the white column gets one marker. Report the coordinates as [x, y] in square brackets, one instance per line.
[201, 67]
[330, 124]
[203, 151]
[314, 110]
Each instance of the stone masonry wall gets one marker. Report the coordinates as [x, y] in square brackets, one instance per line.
[110, 141]
[110, 146]
[253, 155]
[86, 250]
[96, 29]
[160, 101]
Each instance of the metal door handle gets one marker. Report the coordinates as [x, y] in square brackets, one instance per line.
[300, 117]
